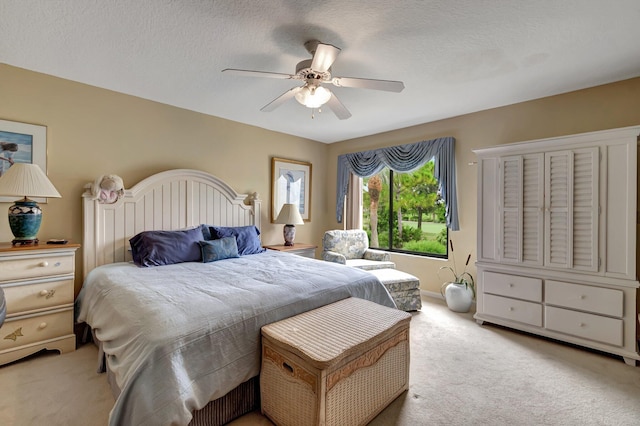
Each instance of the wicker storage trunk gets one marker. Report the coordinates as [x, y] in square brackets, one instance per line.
[338, 365]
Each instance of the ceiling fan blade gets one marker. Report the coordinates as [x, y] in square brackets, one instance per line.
[324, 56]
[366, 83]
[338, 108]
[280, 100]
[250, 73]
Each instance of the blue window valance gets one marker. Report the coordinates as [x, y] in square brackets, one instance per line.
[404, 158]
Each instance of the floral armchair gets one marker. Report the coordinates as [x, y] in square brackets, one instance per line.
[351, 248]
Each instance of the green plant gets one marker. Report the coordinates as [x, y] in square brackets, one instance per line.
[463, 278]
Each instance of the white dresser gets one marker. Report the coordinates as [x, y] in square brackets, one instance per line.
[557, 239]
[38, 286]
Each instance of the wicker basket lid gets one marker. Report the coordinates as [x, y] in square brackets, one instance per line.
[328, 334]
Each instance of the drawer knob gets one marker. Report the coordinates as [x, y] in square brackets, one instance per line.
[511, 308]
[47, 293]
[42, 325]
[44, 263]
[582, 324]
[582, 297]
[510, 284]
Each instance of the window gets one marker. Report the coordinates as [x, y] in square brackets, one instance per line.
[405, 209]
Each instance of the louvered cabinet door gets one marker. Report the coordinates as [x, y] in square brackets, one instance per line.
[571, 209]
[511, 208]
[533, 209]
[521, 204]
[585, 209]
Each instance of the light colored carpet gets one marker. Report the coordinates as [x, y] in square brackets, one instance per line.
[461, 374]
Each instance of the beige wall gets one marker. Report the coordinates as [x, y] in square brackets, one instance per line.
[603, 107]
[91, 131]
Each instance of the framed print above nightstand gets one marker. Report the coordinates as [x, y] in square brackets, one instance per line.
[290, 184]
[22, 143]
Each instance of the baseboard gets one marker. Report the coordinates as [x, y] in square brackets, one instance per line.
[431, 294]
[435, 295]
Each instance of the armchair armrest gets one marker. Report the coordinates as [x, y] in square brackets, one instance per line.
[379, 255]
[332, 256]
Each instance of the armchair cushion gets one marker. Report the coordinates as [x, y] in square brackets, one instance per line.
[370, 265]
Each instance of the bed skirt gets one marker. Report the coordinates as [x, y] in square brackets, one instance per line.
[241, 400]
[238, 402]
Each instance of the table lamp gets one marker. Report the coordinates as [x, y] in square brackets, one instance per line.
[290, 217]
[26, 180]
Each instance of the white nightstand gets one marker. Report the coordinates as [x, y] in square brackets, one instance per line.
[305, 250]
[38, 285]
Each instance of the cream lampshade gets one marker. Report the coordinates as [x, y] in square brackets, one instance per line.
[289, 216]
[26, 180]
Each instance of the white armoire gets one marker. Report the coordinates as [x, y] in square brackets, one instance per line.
[557, 239]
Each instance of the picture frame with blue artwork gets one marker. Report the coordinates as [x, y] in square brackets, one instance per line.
[22, 143]
[290, 183]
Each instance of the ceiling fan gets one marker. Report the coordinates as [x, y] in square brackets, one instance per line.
[315, 72]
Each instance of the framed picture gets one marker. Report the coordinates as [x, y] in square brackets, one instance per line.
[22, 143]
[290, 183]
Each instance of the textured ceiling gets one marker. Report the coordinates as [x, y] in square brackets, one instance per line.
[454, 57]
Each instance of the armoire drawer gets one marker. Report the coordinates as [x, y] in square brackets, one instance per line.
[588, 326]
[35, 328]
[512, 309]
[598, 300]
[34, 295]
[35, 266]
[514, 286]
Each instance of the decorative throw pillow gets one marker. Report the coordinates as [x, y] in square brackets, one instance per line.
[247, 237]
[223, 248]
[155, 248]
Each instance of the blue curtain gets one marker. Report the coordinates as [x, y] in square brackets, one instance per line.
[404, 158]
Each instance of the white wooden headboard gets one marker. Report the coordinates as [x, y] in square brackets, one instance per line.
[174, 199]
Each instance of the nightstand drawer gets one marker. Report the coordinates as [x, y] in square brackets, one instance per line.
[525, 288]
[34, 266]
[587, 326]
[598, 300]
[34, 295]
[36, 328]
[512, 309]
[299, 249]
[310, 252]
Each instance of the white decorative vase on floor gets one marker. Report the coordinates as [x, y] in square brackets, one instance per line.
[458, 296]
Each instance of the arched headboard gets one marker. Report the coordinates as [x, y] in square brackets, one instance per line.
[170, 200]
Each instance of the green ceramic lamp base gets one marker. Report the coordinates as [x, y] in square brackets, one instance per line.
[25, 218]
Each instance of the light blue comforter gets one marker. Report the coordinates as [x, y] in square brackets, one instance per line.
[178, 336]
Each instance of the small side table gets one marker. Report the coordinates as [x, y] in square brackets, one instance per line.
[301, 249]
[38, 285]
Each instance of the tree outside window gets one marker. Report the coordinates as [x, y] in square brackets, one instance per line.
[404, 212]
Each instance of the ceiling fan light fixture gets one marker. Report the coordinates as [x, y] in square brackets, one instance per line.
[313, 97]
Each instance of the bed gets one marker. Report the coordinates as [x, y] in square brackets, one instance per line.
[181, 341]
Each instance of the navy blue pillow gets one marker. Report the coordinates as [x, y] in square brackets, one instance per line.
[206, 233]
[224, 248]
[155, 248]
[246, 237]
